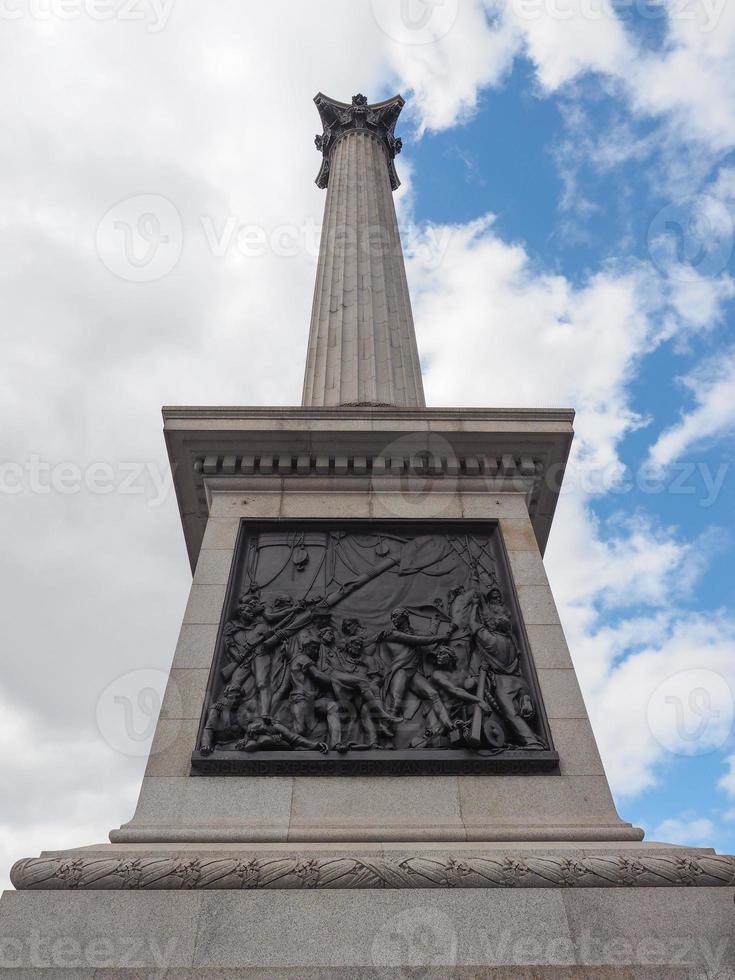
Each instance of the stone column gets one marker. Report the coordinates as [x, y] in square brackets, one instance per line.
[362, 344]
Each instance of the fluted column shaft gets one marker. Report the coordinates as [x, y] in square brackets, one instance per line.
[362, 344]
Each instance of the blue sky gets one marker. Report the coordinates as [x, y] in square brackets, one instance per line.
[506, 160]
[521, 156]
[567, 210]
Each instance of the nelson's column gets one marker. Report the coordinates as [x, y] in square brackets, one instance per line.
[373, 754]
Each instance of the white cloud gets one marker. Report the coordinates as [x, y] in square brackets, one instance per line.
[568, 41]
[564, 42]
[658, 681]
[686, 829]
[705, 58]
[700, 50]
[497, 329]
[572, 42]
[446, 77]
[724, 186]
[666, 690]
[59, 789]
[712, 386]
[519, 320]
[699, 301]
[727, 783]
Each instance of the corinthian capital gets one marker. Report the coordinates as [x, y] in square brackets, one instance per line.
[341, 118]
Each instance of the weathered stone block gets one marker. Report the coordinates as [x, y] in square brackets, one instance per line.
[527, 568]
[196, 644]
[217, 808]
[407, 505]
[537, 605]
[327, 504]
[205, 604]
[561, 694]
[369, 808]
[518, 534]
[172, 746]
[184, 693]
[575, 743]
[213, 567]
[550, 807]
[492, 505]
[231, 504]
[548, 646]
[221, 533]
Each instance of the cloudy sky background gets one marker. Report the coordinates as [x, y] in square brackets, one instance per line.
[567, 207]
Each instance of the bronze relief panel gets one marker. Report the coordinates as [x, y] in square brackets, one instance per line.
[384, 647]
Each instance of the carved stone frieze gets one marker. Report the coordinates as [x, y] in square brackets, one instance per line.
[371, 647]
[296, 871]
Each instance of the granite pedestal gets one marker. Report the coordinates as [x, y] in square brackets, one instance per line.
[451, 876]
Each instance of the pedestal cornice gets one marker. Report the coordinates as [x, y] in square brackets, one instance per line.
[437, 450]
